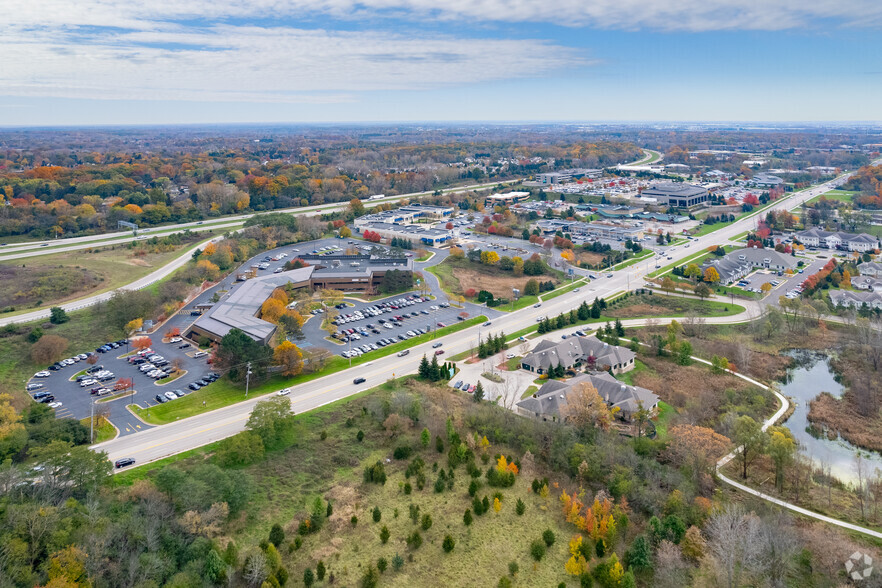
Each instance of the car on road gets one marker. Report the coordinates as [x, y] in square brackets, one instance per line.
[437, 345]
[358, 381]
[439, 352]
[403, 353]
[537, 305]
[609, 275]
[124, 462]
[283, 392]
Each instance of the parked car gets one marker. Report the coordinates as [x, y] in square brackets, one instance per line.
[161, 399]
[42, 374]
[194, 386]
[200, 354]
[458, 384]
[170, 395]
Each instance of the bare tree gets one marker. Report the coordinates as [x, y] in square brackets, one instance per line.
[507, 393]
[735, 543]
[862, 474]
[671, 570]
[779, 550]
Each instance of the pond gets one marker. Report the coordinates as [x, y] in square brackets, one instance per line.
[810, 376]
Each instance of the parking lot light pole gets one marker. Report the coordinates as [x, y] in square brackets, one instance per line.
[92, 421]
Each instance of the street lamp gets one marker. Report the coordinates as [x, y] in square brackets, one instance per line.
[247, 377]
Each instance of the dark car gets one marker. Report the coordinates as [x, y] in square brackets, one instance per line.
[124, 462]
[160, 398]
[194, 386]
[94, 368]
[46, 399]
[358, 380]
[203, 382]
[184, 346]
[55, 367]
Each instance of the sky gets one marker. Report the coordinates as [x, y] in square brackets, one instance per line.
[88, 62]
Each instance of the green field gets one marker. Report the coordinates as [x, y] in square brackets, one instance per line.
[224, 392]
[104, 430]
[838, 195]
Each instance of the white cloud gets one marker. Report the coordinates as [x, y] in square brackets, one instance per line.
[254, 64]
[672, 15]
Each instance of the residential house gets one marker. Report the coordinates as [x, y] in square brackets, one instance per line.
[870, 268]
[851, 299]
[575, 352]
[737, 264]
[551, 401]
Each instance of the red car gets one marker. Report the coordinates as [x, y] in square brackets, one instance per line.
[439, 351]
[441, 325]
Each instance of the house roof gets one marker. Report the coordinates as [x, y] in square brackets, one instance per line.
[552, 398]
[549, 353]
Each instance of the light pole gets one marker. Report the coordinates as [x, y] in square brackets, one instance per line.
[92, 421]
[247, 377]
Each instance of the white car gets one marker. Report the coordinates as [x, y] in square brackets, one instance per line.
[283, 392]
[42, 374]
[54, 404]
[509, 356]
[175, 340]
[171, 395]
[200, 354]
[88, 382]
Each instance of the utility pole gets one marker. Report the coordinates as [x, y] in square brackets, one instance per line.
[92, 422]
[247, 377]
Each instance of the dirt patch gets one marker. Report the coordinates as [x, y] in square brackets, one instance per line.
[138, 261]
[588, 258]
[499, 285]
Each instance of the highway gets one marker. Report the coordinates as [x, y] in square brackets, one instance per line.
[33, 248]
[200, 430]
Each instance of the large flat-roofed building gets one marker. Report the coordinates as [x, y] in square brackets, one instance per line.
[677, 195]
[581, 231]
[417, 234]
[239, 310]
[565, 176]
[505, 199]
[410, 214]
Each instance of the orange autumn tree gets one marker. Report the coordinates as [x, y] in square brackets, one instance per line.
[503, 475]
[597, 521]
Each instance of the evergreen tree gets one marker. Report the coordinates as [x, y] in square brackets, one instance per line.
[423, 370]
[620, 329]
[479, 392]
[434, 369]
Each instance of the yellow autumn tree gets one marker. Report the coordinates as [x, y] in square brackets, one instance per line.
[846, 279]
[207, 270]
[280, 295]
[289, 357]
[209, 249]
[497, 506]
[271, 310]
[576, 565]
[711, 275]
[456, 253]
[568, 254]
[134, 324]
[133, 208]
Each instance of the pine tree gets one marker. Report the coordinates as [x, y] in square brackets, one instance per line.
[424, 368]
[434, 369]
[620, 329]
[479, 392]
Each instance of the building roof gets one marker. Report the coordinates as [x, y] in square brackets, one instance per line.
[239, 309]
[870, 267]
[552, 398]
[676, 190]
[549, 353]
[821, 234]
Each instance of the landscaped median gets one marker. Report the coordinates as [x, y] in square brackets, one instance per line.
[224, 393]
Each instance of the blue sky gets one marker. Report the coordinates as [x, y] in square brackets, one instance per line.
[203, 61]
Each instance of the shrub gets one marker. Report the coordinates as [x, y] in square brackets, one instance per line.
[537, 549]
[277, 535]
[402, 452]
[478, 506]
[467, 517]
[384, 534]
[548, 537]
[320, 570]
[377, 514]
[414, 540]
[520, 507]
[448, 544]
[354, 520]
[414, 513]
[323, 435]
[513, 568]
[360, 436]
[371, 578]
[408, 488]
[375, 474]
[397, 562]
[485, 504]
[382, 564]
[497, 479]
[439, 486]
[439, 444]
[473, 487]
[504, 582]
[426, 523]
[298, 543]
[308, 577]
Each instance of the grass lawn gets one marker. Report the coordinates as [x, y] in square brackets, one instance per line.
[529, 392]
[665, 413]
[628, 377]
[85, 331]
[645, 305]
[706, 229]
[838, 195]
[458, 275]
[224, 393]
[49, 280]
[104, 430]
[562, 290]
[646, 254]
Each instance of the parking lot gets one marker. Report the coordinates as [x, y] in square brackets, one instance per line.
[76, 399]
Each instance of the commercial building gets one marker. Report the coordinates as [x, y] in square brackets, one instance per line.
[416, 234]
[550, 402]
[239, 309]
[505, 199]
[410, 214]
[576, 352]
[580, 231]
[766, 181]
[861, 242]
[566, 176]
[677, 195]
[741, 262]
